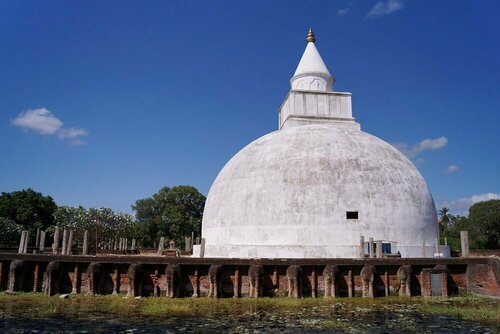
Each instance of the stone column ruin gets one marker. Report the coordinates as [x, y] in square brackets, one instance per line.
[69, 244]
[379, 249]
[236, 283]
[41, 246]
[55, 245]
[173, 275]
[329, 275]
[75, 282]
[255, 277]
[294, 277]
[368, 276]
[404, 275]
[64, 242]
[361, 247]
[464, 242]
[214, 277]
[196, 284]
[85, 250]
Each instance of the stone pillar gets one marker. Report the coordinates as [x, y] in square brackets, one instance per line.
[424, 250]
[74, 282]
[156, 283]
[236, 284]
[294, 277]
[17, 273]
[85, 243]
[215, 273]
[314, 289]
[349, 283]
[116, 282]
[362, 247]
[436, 244]
[371, 248]
[379, 249]
[64, 242]
[202, 248]
[368, 277]
[196, 287]
[329, 278]
[161, 245]
[55, 245]
[42, 242]
[446, 241]
[36, 277]
[464, 241]
[69, 245]
[135, 276]
[386, 282]
[276, 280]
[37, 241]
[133, 245]
[21, 243]
[26, 241]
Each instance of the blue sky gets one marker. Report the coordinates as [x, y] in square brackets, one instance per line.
[105, 102]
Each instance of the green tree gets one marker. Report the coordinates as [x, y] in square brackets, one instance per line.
[484, 224]
[452, 231]
[444, 222]
[172, 213]
[28, 208]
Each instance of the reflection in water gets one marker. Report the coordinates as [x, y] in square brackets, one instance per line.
[101, 314]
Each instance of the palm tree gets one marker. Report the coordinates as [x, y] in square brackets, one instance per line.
[445, 221]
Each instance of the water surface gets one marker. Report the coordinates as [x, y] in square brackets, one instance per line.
[35, 313]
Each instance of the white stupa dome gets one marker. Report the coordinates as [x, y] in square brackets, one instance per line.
[312, 188]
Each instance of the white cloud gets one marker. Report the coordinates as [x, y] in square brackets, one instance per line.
[343, 11]
[40, 120]
[43, 122]
[425, 145]
[461, 206]
[452, 169]
[71, 133]
[382, 8]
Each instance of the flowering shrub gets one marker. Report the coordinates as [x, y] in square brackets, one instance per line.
[110, 225]
[10, 233]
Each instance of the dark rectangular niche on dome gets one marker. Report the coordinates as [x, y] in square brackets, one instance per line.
[351, 214]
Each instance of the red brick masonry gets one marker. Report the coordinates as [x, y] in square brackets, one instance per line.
[478, 275]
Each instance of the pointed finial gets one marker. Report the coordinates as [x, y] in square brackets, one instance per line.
[310, 36]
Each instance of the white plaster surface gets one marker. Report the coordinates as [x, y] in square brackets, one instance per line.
[312, 73]
[310, 107]
[286, 195]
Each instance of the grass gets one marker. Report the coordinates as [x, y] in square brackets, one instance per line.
[466, 307]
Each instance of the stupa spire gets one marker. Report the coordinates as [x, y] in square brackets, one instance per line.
[310, 36]
[312, 73]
